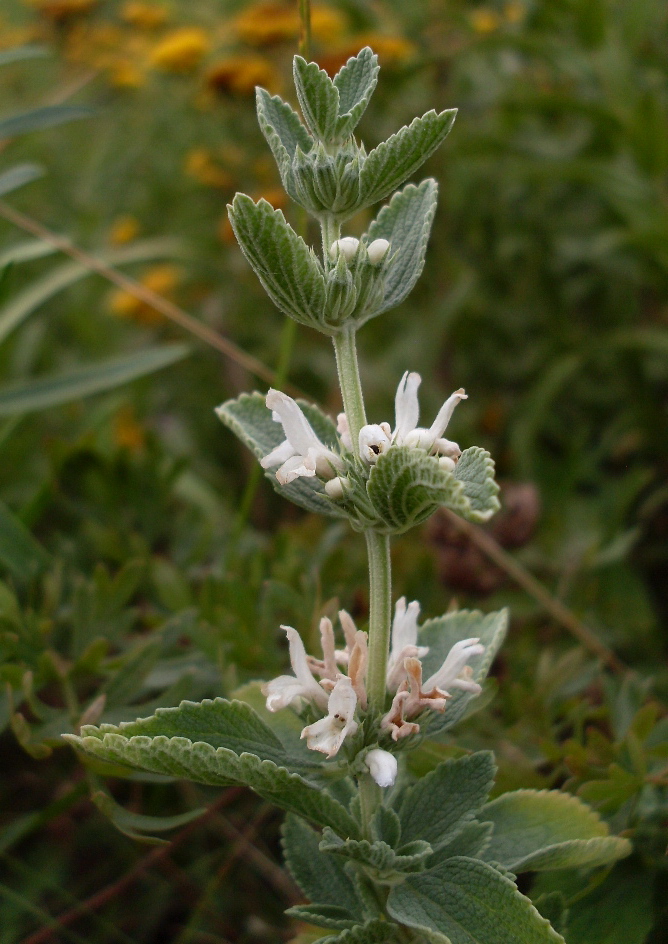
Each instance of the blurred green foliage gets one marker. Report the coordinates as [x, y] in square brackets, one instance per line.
[131, 580]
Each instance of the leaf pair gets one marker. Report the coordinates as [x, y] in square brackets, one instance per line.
[295, 279]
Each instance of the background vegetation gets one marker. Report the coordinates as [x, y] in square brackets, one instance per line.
[140, 567]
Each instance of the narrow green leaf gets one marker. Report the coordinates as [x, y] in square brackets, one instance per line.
[439, 805]
[21, 53]
[26, 251]
[250, 420]
[20, 553]
[17, 176]
[471, 903]
[39, 118]
[44, 392]
[138, 826]
[406, 223]
[393, 161]
[318, 99]
[355, 82]
[441, 634]
[540, 830]
[288, 270]
[320, 876]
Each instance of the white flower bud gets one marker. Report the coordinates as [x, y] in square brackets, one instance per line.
[382, 767]
[445, 462]
[376, 250]
[374, 441]
[336, 487]
[347, 247]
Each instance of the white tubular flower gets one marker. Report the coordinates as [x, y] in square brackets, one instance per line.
[404, 641]
[302, 453]
[328, 734]
[394, 721]
[374, 441]
[407, 412]
[382, 767]
[418, 698]
[455, 673]
[346, 247]
[336, 487]
[377, 250]
[282, 691]
[357, 666]
[343, 430]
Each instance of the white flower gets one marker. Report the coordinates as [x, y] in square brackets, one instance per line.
[328, 734]
[407, 412]
[336, 487]
[282, 691]
[455, 673]
[301, 453]
[404, 641]
[382, 767]
[374, 441]
[377, 250]
[347, 247]
[343, 430]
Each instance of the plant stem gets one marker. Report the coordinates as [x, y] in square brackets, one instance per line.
[370, 800]
[380, 612]
[305, 29]
[349, 381]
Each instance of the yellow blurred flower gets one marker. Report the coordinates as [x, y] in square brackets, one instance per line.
[485, 20]
[62, 9]
[123, 230]
[144, 15]
[327, 24]
[239, 75]
[391, 51]
[123, 73]
[128, 433]
[161, 279]
[182, 50]
[201, 165]
[514, 12]
[267, 23]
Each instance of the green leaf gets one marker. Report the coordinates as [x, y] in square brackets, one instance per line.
[323, 916]
[29, 299]
[552, 905]
[406, 486]
[535, 830]
[318, 99]
[25, 252]
[406, 223]
[439, 805]
[283, 131]
[471, 841]
[355, 82]
[39, 118]
[376, 931]
[44, 392]
[379, 856]
[190, 750]
[138, 826]
[471, 903]
[441, 634]
[21, 53]
[320, 876]
[386, 826]
[288, 270]
[475, 470]
[20, 553]
[17, 176]
[250, 420]
[393, 161]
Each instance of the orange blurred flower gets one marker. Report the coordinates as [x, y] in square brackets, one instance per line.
[391, 51]
[161, 279]
[144, 15]
[514, 12]
[201, 165]
[128, 433]
[485, 20]
[239, 75]
[123, 230]
[182, 50]
[62, 9]
[268, 23]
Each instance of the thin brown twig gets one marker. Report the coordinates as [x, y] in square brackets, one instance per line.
[560, 613]
[112, 891]
[134, 288]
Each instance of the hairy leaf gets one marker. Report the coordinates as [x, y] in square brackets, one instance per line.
[536, 830]
[249, 418]
[283, 131]
[475, 470]
[378, 855]
[372, 932]
[393, 161]
[471, 903]
[288, 270]
[318, 98]
[439, 805]
[355, 82]
[323, 916]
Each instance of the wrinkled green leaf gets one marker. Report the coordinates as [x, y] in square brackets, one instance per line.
[393, 161]
[355, 82]
[471, 903]
[475, 470]
[537, 830]
[318, 99]
[372, 932]
[323, 916]
[283, 131]
[249, 418]
[378, 855]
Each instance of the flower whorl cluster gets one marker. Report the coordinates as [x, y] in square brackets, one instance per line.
[336, 684]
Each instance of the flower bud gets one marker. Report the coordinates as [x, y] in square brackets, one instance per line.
[446, 463]
[377, 250]
[382, 767]
[347, 247]
[336, 487]
[374, 441]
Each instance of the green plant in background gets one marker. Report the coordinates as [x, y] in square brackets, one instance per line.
[399, 857]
